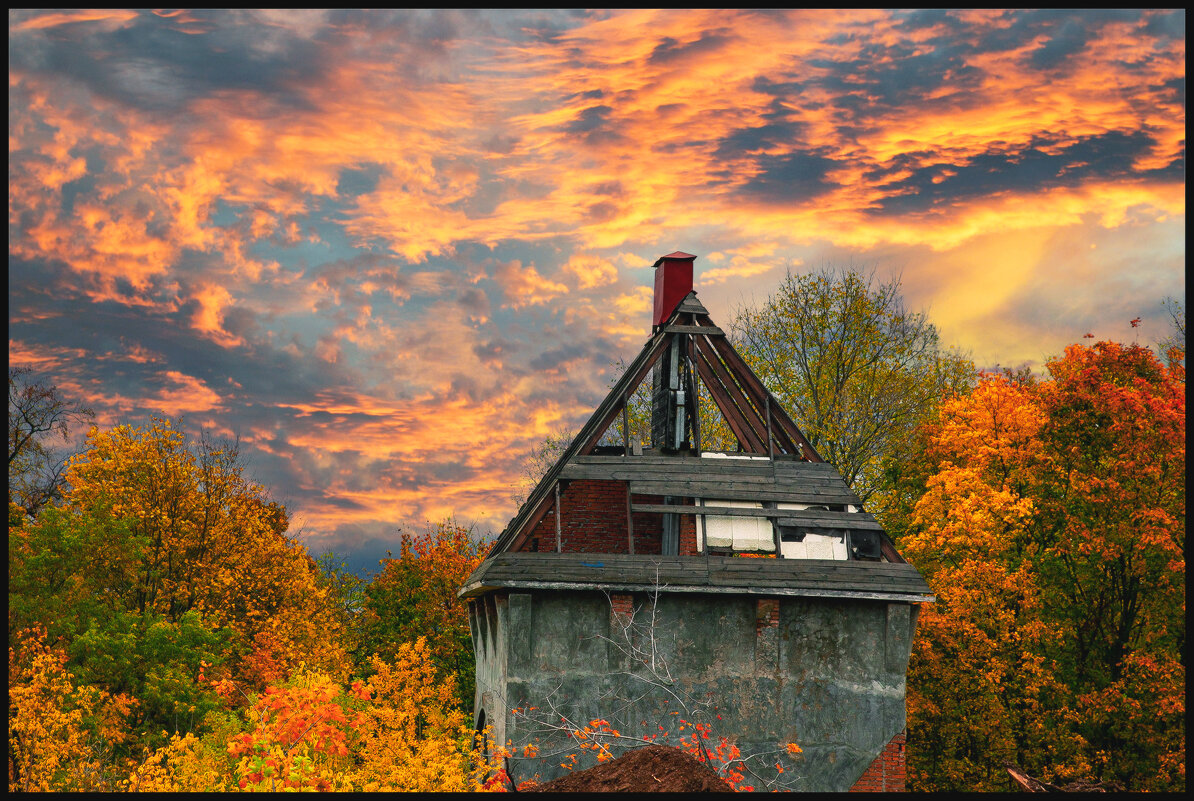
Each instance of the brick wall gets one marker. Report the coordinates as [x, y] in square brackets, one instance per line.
[593, 520]
[886, 773]
[621, 610]
[766, 614]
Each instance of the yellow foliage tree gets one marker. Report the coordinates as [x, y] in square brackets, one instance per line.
[59, 735]
[401, 731]
[213, 542]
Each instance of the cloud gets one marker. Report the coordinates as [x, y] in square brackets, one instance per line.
[392, 249]
[590, 271]
[524, 286]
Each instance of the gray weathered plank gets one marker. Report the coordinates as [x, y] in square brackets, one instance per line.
[710, 330]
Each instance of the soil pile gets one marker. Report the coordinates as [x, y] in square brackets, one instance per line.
[650, 769]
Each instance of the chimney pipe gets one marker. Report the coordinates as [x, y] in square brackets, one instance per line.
[673, 282]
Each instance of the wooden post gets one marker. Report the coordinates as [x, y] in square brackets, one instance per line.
[625, 425]
[558, 545]
[770, 442]
[629, 520]
[695, 398]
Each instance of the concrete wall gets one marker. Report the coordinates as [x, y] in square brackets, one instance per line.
[827, 674]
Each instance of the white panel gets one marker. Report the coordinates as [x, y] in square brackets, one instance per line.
[719, 531]
[793, 550]
[753, 534]
[740, 533]
[819, 546]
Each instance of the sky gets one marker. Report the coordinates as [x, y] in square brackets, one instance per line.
[390, 251]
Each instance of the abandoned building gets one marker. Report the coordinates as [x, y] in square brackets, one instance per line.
[620, 590]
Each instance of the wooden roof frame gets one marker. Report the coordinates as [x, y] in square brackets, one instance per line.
[757, 419]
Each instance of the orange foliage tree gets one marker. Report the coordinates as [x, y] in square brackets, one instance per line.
[414, 596]
[60, 733]
[1050, 525]
[400, 731]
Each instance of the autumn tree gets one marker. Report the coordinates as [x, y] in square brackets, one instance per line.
[401, 730]
[854, 367]
[38, 415]
[61, 731]
[160, 561]
[212, 542]
[1111, 530]
[1051, 527]
[414, 596]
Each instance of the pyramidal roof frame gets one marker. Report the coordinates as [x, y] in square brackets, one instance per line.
[753, 414]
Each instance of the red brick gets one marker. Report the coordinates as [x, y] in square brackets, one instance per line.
[593, 520]
[887, 773]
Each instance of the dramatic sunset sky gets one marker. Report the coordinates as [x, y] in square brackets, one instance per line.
[392, 250]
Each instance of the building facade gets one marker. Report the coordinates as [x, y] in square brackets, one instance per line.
[641, 583]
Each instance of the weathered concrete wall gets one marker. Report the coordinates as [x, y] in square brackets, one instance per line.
[827, 674]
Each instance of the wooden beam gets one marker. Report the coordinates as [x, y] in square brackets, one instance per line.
[625, 425]
[751, 410]
[725, 401]
[755, 393]
[559, 544]
[770, 439]
[707, 330]
[801, 517]
[694, 399]
[629, 520]
[753, 384]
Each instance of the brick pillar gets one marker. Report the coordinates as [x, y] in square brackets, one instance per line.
[887, 773]
[621, 613]
[767, 635]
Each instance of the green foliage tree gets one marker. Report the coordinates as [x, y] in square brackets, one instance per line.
[856, 369]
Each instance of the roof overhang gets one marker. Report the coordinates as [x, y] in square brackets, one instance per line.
[876, 581]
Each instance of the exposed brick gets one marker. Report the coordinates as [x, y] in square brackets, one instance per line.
[766, 614]
[593, 520]
[887, 773]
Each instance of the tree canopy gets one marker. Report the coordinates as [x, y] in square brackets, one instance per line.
[854, 367]
[1051, 526]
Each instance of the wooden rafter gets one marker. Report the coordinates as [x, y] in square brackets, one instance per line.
[729, 400]
[752, 384]
[536, 506]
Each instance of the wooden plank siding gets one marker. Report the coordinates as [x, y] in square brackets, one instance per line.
[720, 479]
[860, 521]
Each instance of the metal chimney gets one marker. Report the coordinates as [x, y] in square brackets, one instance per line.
[673, 282]
[669, 426]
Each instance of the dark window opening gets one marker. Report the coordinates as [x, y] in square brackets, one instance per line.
[865, 546]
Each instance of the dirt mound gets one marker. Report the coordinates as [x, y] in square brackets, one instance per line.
[652, 768]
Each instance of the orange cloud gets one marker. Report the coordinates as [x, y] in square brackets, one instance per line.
[64, 18]
[524, 286]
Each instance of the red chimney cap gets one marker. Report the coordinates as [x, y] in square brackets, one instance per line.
[679, 254]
